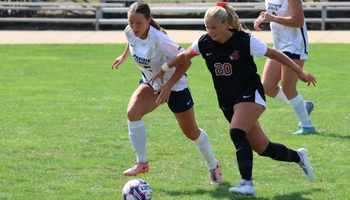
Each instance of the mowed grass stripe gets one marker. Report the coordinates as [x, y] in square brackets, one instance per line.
[64, 134]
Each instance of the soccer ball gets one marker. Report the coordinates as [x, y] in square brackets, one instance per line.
[137, 189]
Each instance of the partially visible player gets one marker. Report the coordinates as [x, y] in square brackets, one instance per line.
[289, 34]
[150, 47]
[228, 52]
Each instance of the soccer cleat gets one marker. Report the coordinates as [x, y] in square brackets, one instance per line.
[138, 168]
[309, 108]
[305, 130]
[304, 164]
[215, 175]
[244, 188]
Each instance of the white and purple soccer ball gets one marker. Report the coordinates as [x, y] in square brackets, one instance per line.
[137, 189]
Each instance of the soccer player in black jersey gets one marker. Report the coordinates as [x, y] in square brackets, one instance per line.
[228, 52]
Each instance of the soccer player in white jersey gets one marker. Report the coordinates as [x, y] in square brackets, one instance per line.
[228, 53]
[289, 34]
[150, 47]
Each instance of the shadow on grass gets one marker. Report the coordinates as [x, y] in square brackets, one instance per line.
[222, 192]
[219, 193]
[296, 195]
[333, 135]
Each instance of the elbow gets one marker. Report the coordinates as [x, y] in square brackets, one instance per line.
[271, 53]
[187, 64]
[299, 23]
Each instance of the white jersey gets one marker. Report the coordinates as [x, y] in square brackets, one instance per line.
[149, 55]
[286, 39]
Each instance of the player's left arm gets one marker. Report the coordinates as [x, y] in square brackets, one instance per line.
[164, 90]
[179, 72]
[285, 60]
[183, 62]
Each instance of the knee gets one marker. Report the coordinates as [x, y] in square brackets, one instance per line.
[290, 93]
[237, 135]
[259, 150]
[268, 151]
[133, 115]
[270, 89]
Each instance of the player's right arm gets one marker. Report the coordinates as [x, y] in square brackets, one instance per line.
[177, 60]
[296, 20]
[118, 61]
[181, 60]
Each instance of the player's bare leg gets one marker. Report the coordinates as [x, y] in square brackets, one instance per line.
[200, 139]
[270, 78]
[289, 85]
[141, 102]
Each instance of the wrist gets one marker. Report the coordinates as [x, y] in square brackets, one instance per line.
[165, 67]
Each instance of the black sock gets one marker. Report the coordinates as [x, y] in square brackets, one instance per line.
[280, 152]
[244, 153]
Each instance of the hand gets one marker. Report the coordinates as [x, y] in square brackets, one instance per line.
[267, 17]
[257, 22]
[159, 74]
[118, 62]
[263, 16]
[163, 94]
[307, 78]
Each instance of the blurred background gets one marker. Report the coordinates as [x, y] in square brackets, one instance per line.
[181, 14]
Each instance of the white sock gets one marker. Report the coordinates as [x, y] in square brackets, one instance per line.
[138, 137]
[281, 96]
[203, 145]
[299, 106]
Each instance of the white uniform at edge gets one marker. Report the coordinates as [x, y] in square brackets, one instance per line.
[149, 55]
[293, 40]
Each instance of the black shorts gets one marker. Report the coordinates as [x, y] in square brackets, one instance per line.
[227, 102]
[293, 56]
[179, 101]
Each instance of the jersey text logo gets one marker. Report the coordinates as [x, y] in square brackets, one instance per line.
[234, 55]
[141, 60]
[273, 6]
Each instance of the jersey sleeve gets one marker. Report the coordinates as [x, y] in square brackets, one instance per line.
[128, 33]
[169, 47]
[194, 48]
[257, 47]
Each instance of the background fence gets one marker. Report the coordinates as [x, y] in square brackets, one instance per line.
[184, 12]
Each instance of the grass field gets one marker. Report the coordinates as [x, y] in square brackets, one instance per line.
[64, 134]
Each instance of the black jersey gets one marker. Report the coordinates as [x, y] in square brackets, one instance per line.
[231, 64]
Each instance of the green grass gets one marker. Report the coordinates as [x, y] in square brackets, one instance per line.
[64, 134]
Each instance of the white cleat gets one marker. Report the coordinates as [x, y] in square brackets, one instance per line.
[304, 164]
[244, 188]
